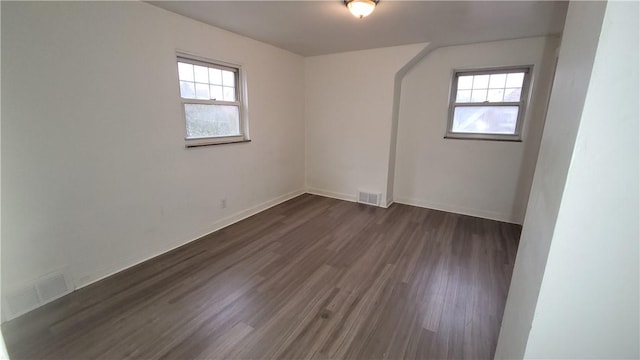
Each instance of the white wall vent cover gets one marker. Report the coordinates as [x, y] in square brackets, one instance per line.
[52, 287]
[369, 198]
[44, 290]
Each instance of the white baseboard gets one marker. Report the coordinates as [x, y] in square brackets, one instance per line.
[331, 194]
[241, 215]
[222, 223]
[341, 196]
[460, 210]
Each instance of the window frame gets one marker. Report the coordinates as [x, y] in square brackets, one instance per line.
[240, 102]
[521, 104]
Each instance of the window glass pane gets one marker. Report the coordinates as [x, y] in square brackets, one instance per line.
[187, 90]
[495, 95]
[497, 81]
[202, 91]
[201, 74]
[485, 119]
[512, 94]
[229, 93]
[465, 82]
[185, 71]
[216, 92]
[463, 96]
[215, 76]
[228, 78]
[479, 95]
[480, 81]
[514, 80]
[205, 120]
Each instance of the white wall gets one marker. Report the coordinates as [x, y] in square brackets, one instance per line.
[489, 179]
[3, 348]
[348, 111]
[576, 244]
[589, 300]
[95, 175]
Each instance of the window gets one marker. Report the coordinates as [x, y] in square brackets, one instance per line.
[212, 102]
[488, 104]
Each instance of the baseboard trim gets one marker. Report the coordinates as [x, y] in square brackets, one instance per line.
[220, 224]
[341, 196]
[459, 210]
[331, 194]
[241, 215]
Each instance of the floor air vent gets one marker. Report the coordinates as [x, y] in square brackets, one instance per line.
[369, 198]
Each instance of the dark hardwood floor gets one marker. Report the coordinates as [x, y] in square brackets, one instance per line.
[310, 278]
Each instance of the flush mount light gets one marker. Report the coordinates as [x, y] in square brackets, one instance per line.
[361, 8]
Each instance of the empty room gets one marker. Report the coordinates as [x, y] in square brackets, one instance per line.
[359, 179]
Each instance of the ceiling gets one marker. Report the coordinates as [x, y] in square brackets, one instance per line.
[312, 28]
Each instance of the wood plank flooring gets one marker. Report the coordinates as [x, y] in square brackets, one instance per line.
[312, 278]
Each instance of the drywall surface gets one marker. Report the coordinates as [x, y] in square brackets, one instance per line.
[589, 300]
[395, 114]
[95, 173]
[348, 109]
[3, 349]
[580, 38]
[489, 179]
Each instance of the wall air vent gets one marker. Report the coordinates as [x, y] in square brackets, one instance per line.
[52, 287]
[369, 198]
[44, 290]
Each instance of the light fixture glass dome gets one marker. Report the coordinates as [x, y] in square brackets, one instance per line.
[361, 8]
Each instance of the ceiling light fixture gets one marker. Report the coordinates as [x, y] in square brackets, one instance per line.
[361, 8]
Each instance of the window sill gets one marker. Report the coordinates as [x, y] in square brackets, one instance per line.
[194, 145]
[483, 138]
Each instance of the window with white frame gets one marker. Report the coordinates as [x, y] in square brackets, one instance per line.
[212, 102]
[488, 104]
